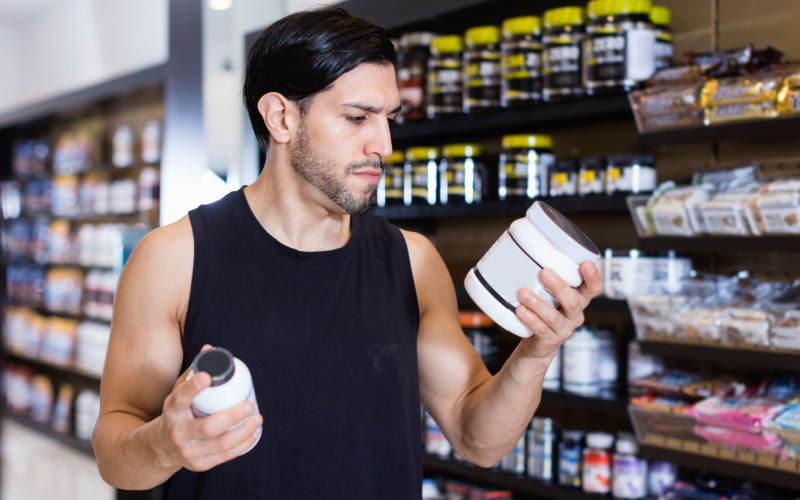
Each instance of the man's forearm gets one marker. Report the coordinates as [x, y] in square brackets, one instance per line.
[125, 447]
[497, 413]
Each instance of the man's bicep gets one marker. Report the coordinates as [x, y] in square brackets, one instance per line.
[144, 352]
[449, 367]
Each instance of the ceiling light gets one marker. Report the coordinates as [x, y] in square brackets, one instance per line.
[220, 4]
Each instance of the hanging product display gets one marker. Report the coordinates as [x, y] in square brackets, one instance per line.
[482, 69]
[522, 61]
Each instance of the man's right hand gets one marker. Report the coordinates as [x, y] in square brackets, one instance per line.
[199, 444]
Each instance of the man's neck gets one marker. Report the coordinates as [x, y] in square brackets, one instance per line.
[295, 213]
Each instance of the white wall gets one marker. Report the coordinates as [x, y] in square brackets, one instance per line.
[80, 43]
[10, 62]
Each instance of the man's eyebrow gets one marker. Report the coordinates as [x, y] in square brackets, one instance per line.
[368, 108]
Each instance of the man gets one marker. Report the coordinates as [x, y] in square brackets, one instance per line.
[345, 322]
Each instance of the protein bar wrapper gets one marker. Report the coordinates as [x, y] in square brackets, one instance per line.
[742, 89]
[789, 95]
[740, 112]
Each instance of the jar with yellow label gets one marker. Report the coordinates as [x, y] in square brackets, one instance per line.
[562, 60]
[661, 18]
[390, 187]
[462, 173]
[482, 69]
[592, 176]
[525, 164]
[564, 178]
[421, 175]
[445, 73]
[521, 66]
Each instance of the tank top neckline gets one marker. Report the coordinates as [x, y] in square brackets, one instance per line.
[269, 241]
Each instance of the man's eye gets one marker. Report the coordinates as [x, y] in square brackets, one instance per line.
[392, 121]
[356, 119]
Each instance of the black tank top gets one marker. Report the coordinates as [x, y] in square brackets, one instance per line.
[331, 341]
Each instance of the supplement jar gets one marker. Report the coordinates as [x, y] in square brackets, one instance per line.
[597, 463]
[231, 384]
[630, 174]
[525, 163]
[570, 455]
[629, 472]
[514, 461]
[521, 66]
[562, 57]
[564, 178]
[462, 173]
[421, 172]
[390, 187]
[412, 63]
[584, 357]
[482, 69]
[541, 444]
[661, 17]
[620, 46]
[542, 239]
[445, 73]
[592, 176]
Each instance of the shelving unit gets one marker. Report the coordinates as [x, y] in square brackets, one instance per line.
[67, 439]
[72, 373]
[605, 405]
[729, 244]
[749, 355]
[756, 129]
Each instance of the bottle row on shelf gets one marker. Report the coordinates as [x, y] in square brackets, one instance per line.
[63, 290]
[34, 395]
[730, 311]
[736, 413]
[527, 169]
[54, 340]
[726, 202]
[93, 194]
[61, 242]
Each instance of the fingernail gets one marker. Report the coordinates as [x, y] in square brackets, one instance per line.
[198, 382]
[548, 275]
[527, 295]
[250, 409]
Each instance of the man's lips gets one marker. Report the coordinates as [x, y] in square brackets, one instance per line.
[372, 175]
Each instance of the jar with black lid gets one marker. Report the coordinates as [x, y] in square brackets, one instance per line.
[412, 61]
[390, 187]
[421, 172]
[620, 46]
[525, 163]
[522, 61]
[630, 174]
[564, 178]
[482, 69]
[462, 171]
[445, 73]
[562, 59]
[592, 176]
[661, 18]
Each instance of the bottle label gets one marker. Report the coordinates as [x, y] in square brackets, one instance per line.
[630, 477]
[596, 473]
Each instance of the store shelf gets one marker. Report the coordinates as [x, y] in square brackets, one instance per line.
[517, 484]
[759, 468]
[726, 244]
[780, 127]
[568, 205]
[606, 305]
[605, 405]
[44, 428]
[536, 119]
[752, 356]
[67, 372]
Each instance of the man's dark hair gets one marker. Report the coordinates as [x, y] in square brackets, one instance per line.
[304, 53]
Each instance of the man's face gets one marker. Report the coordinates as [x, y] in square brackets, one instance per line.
[344, 137]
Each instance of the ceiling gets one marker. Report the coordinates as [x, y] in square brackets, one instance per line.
[17, 10]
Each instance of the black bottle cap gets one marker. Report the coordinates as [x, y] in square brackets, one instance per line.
[217, 362]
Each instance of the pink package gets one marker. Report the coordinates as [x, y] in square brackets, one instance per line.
[765, 441]
[744, 414]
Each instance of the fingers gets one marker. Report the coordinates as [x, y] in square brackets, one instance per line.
[540, 317]
[592, 284]
[185, 390]
[571, 301]
[216, 424]
[205, 454]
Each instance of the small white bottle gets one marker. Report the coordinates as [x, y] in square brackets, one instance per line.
[231, 383]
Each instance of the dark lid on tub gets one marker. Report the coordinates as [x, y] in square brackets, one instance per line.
[562, 233]
[217, 362]
[628, 160]
[593, 163]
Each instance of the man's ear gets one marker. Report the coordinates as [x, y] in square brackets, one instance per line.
[280, 116]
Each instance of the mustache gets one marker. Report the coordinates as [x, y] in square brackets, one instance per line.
[370, 162]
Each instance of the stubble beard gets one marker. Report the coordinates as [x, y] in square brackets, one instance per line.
[318, 171]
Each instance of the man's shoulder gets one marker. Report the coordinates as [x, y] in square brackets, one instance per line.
[167, 249]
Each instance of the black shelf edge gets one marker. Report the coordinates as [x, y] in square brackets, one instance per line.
[726, 244]
[610, 406]
[758, 358]
[721, 466]
[514, 483]
[50, 368]
[778, 127]
[151, 76]
[44, 428]
[517, 120]
[568, 205]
